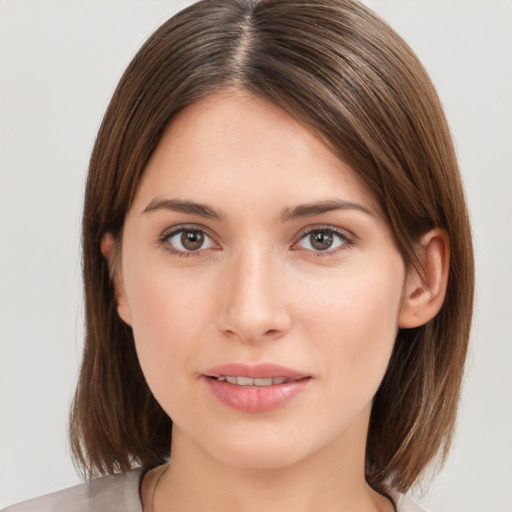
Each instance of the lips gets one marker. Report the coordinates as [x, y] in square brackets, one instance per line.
[258, 371]
[248, 381]
[255, 388]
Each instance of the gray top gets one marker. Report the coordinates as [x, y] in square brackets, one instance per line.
[120, 493]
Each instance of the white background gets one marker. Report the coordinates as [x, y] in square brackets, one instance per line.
[59, 63]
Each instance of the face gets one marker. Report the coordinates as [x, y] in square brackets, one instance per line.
[263, 286]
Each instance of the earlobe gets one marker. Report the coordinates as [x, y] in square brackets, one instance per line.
[109, 250]
[425, 291]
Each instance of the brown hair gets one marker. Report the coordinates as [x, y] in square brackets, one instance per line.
[340, 70]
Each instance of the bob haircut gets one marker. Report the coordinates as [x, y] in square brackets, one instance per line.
[344, 74]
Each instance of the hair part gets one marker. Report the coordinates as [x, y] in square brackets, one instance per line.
[338, 69]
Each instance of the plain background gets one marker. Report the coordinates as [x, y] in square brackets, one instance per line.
[60, 61]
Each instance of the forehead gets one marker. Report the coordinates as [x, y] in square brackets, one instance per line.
[233, 145]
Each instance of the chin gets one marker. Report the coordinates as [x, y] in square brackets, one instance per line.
[268, 457]
[263, 449]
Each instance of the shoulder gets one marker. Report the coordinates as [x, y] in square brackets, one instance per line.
[119, 493]
[406, 504]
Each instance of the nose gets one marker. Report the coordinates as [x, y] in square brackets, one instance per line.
[254, 305]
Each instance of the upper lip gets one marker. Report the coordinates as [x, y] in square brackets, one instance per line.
[255, 371]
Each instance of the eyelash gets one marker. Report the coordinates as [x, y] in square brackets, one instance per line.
[164, 240]
[346, 241]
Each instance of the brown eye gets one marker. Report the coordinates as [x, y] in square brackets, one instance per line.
[192, 240]
[184, 241]
[323, 240]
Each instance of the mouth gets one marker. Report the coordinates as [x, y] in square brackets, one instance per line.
[248, 381]
[255, 388]
[261, 374]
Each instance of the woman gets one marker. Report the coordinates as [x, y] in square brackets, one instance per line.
[278, 269]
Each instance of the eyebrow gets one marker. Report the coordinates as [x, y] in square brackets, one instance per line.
[308, 210]
[181, 206]
[288, 214]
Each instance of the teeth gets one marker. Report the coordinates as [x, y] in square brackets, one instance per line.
[244, 381]
[264, 382]
[247, 381]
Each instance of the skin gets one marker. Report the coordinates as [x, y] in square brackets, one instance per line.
[257, 290]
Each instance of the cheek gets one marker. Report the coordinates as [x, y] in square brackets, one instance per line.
[169, 315]
[355, 328]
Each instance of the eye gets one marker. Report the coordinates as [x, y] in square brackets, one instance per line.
[188, 240]
[325, 240]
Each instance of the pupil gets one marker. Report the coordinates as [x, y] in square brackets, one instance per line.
[321, 240]
[192, 240]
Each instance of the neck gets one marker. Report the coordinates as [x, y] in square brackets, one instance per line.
[323, 482]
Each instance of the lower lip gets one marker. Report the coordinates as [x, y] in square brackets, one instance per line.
[256, 398]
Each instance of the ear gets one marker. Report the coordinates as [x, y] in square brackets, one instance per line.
[425, 291]
[110, 250]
